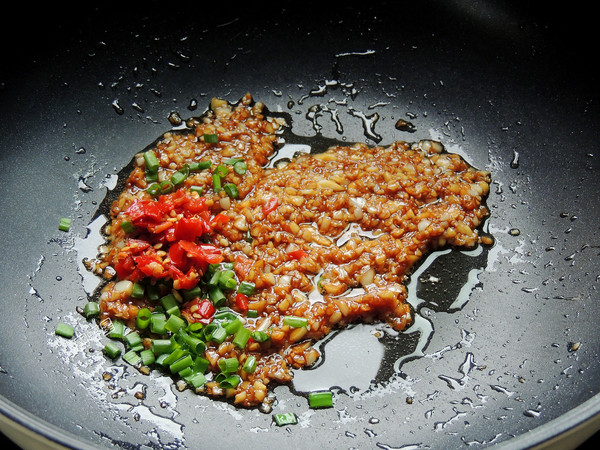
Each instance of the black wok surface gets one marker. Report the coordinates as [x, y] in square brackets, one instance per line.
[505, 351]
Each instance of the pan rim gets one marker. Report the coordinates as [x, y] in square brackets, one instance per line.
[583, 419]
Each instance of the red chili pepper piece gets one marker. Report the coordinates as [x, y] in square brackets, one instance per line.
[270, 206]
[241, 301]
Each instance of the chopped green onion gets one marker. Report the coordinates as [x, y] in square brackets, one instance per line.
[181, 364]
[227, 280]
[142, 319]
[196, 345]
[229, 382]
[175, 323]
[112, 350]
[241, 337]
[221, 170]
[260, 336]
[169, 302]
[231, 190]
[295, 321]
[321, 399]
[64, 224]
[210, 138]
[157, 323]
[198, 189]
[151, 176]
[138, 290]
[180, 176]
[233, 326]
[195, 328]
[201, 364]
[218, 335]
[216, 296]
[161, 346]
[250, 364]
[216, 179]
[240, 167]
[192, 293]
[152, 292]
[64, 330]
[252, 313]
[175, 355]
[151, 160]
[200, 165]
[154, 189]
[132, 358]
[228, 365]
[246, 288]
[127, 226]
[133, 339]
[117, 330]
[232, 161]
[197, 380]
[91, 309]
[285, 419]
[148, 357]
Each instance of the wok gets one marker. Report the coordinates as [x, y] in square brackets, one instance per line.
[505, 351]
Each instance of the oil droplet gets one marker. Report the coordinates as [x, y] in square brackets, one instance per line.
[514, 164]
[117, 107]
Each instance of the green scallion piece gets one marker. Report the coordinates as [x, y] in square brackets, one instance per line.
[176, 354]
[181, 364]
[201, 364]
[216, 296]
[152, 292]
[117, 330]
[210, 138]
[148, 357]
[180, 176]
[240, 167]
[132, 358]
[227, 280]
[175, 323]
[285, 419]
[231, 190]
[151, 160]
[198, 189]
[154, 189]
[252, 313]
[232, 161]
[195, 328]
[230, 382]
[197, 380]
[169, 302]
[229, 365]
[138, 290]
[190, 294]
[216, 179]
[127, 226]
[197, 346]
[157, 323]
[233, 326]
[64, 224]
[142, 320]
[241, 337]
[133, 339]
[151, 176]
[246, 288]
[200, 165]
[112, 350]
[250, 364]
[320, 399]
[161, 346]
[295, 321]
[64, 330]
[218, 335]
[260, 336]
[221, 170]
[91, 309]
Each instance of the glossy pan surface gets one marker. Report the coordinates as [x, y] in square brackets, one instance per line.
[505, 351]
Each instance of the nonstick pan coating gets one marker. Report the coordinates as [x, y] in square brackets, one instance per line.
[512, 359]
